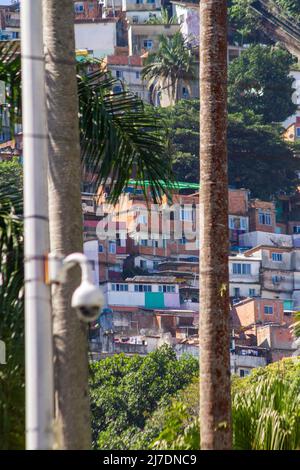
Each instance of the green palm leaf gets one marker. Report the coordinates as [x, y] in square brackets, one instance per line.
[174, 62]
[120, 138]
[12, 397]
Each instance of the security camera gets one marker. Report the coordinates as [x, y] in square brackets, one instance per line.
[88, 300]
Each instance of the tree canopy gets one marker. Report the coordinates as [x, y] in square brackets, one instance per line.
[12, 374]
[265, 410]
[126, 390]
[259, 81]
[259, 159]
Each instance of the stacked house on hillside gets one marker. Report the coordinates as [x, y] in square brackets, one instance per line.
[149, 270]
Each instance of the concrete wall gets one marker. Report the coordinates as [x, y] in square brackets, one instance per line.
[267, 261]
[100, 37]
[141, 299]
[278, 338]
[257, 238]
[90, 249]
[244, 288]
[138, 33]
[132, 5]
[142, 16]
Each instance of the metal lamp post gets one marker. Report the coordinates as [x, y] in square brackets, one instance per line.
[38, 325]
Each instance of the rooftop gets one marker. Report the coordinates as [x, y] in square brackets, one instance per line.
[153, 279]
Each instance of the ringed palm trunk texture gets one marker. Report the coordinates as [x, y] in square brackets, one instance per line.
[72, 411]
[215, 408]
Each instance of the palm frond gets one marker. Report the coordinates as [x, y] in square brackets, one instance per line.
[12, 397]
[120, 139]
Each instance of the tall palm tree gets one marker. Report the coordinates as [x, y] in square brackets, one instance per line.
[170, 67]
[215, 410]
[70, 336]
[72, 413]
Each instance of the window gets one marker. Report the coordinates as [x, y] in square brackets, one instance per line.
[144, 242]
[117, 89]
[252, 293]
[264, 217]
[244, 372]
[148, 43]
[155, 264]
[135, 19]
[142, 219]
[139, 2]
[182, 241]
[137, 75]
[79, 8]
[143, 264]
[150, 1]
[166, 289]
[268, 309]
[120, 287]
[239, 268]
[277, 257]
[186, 214]
[119, 73]
[296, 229]
[100, 248]
[243, 223]
[238, 223]
[142, 288]
[298, 132]
[236, 292]
[276, 279]
[155, 243]
[112, 247]
[185, 92]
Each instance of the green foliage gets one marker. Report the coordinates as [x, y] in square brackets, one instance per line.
[259, 159]
[259, 81]
[296, 325]
[290, 8]
[265, 409]
[164, 19]
[11, 175]
[119, 137]
[12, 398]
[171, 66]
[244, 23]
[126, 390]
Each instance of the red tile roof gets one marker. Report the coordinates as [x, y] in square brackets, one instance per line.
[133, 60]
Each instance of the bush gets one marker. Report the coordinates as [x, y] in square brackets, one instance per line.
[125, 391]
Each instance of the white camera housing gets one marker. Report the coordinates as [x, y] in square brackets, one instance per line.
[88, 300]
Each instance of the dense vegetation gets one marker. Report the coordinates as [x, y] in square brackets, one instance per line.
[245, 24]
[259, 81]
[266, 413]
[12, 396]
[125, 391]
[259, 159]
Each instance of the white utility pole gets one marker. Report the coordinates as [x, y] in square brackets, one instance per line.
[38, 325]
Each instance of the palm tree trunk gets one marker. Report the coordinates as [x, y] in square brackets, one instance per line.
[72, 413]
[215, 408]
